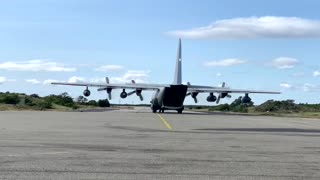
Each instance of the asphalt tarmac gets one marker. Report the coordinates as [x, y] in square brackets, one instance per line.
[137, 144]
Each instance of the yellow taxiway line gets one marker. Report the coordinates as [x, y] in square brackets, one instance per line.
[165, 122]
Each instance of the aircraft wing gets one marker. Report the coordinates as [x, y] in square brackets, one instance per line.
[203, 89]
[141, 86]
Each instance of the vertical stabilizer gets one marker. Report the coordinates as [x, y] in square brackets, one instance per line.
[178, 73]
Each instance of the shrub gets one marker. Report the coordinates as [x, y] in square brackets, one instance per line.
[9, 98]
[103, 103]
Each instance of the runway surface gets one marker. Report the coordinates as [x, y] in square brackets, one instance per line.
[137, 144]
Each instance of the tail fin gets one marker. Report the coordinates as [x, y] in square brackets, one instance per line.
[178, 73]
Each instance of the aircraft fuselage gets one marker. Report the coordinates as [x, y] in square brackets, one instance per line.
[169, 98]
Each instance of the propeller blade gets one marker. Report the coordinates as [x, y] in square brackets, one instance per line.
[107, 80]
[133, 82]
[109, 96]
[141, 97]
[218, 99]
[132, 92]
[188, 94]
[223, 84]
[102, 89]
[228, 96]
[195, 100]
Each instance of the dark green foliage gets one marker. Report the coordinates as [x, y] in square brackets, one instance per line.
[221, 107]
[309, 107]
[103, 103]
[278, 106]
[34, 96]
[42, 104]
[92, 103]
[63, 99]
[9, 98]
[81, 100]
[236, 106]
[34, 101]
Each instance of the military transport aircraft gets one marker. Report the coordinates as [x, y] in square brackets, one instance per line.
[168, 96]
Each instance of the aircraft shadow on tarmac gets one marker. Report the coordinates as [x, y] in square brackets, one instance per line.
[202, 113]
[266, 130]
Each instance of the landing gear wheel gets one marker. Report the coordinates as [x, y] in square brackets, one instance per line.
[180, 110]
[154, 109]
[162, 110]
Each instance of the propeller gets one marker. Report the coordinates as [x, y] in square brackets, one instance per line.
[222, 95]
[107, 89]
[193, 95]
[137, 92]
[141, 97]
[132, 92]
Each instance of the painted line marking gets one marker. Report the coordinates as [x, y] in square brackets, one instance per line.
[165, 122]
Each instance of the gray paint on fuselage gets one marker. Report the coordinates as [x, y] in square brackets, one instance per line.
[171, 98]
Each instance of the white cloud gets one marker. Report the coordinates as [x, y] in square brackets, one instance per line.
[36, 65]
[254, 27]
[4, 80]
[316, 73]
[285, 85]
[76, 79]
[138, 76]
[284, 63]
[49, 81]
[224, 62]
[33, 81]
[109, 68]
[306, 87]
[218, 74]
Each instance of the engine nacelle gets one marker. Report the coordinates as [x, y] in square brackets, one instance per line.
[109, 90]
[86, 93]
[138, 92]
[246, 99]
[123, 94]
[211, 98]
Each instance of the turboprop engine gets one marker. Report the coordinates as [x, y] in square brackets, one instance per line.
[86, 92]
[138, 92]
[211, 98]
[123, 94]
[246, 99]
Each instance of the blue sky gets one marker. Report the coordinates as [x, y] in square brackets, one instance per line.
[270, 45]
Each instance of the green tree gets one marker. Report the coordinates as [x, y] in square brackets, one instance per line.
[92, 103]
[81, 100]
[9, 98]
[103, 103]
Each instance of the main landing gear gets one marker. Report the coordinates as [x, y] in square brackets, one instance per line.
[180, 110]
[161, 110]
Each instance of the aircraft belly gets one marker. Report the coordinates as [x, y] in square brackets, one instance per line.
[174, 96]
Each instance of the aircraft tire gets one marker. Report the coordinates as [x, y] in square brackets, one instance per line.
[154, 110]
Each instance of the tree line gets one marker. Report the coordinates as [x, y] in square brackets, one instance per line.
[34, 101]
